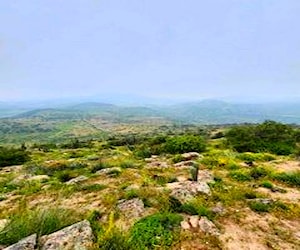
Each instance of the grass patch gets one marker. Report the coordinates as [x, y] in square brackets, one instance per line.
[292, 179]
[41, 221]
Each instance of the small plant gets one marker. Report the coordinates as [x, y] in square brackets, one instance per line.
[260, 207]
[194, 172]
[240, 175]
[267, 184]
[160, 229]
[177, 158]
[100, 165]
[293, 178]
[127, 164]
[258, 172]
[64, 176]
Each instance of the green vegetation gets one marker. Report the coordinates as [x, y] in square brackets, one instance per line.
[155, 230]
[292, 179]
[41, 221]
[13, 156]
[269, 136]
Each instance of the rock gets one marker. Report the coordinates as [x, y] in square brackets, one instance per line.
[219, 209]
[186, 190]
[76, 180]
[40, 178]
[191, 155]
[28, 243]
[185, 164]
[131, 209]
[108, 170]
[185, 225]
[205, 176]
[194, 221]
[3, 223]
[21, 178]
[208, 227]
[157, 164]
[264, 201]
[77, 236]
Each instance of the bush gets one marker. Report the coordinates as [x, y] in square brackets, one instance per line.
[183, 144]
[267, 184]
[259, 207]
[41, 222]
[269, 136]
[292, 178]
[160, 229]
[258, 172]
[13, 156]
[240, 175]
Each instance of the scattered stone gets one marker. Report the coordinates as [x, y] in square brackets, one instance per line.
[27, 243]
[185, 225]
[208, 227]
[77, 236]
[191, 155]
[76, 180]
[108, 170]
[219, 209]
[132, 209]
[187, 190]
[185, 164]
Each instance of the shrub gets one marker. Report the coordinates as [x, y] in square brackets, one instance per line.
[267, 184]
[64, 176]
[160, 229]
[27, 222]
[240, 175]
[260, 207]
[183, 144]
[100, 165]
[258, 172]
[292, 178]
[13, 156]
[269, 136]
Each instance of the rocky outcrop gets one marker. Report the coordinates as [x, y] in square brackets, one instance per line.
[187, 190]
[108, 170]
[76, 180]
[190, 156]
[196, 223]
[131, 209]
[28, 243]
[185, 164]
[77, 236]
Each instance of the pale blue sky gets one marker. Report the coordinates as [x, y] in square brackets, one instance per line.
[157, 48]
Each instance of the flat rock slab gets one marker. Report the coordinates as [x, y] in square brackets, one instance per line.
[77, 236]
[28, 243]
[76, 180]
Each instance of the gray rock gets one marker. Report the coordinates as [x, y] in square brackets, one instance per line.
[185, 164]
[186, 190]
[40, 178]
[108, 170]
[131, 209]
[208, 227]
[264, 201]
[77, 236]
[76, 180]
[28, 243]
[194, 221]
[219, 209]
[185, 225]
[191, 155]
[205, 176]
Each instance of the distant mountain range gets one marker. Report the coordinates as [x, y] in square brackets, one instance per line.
[203, 112]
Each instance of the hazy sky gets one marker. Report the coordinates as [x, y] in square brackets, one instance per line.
[157, 48]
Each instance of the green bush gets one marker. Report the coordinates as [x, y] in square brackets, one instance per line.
[27, 222]
[258, 172]
[183, 144]
[260, 207]
[267, 184]
[157, 230]
[240, 175]
[13, 156]
[269, 136]
[292, 178]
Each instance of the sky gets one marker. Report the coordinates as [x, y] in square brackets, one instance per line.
[172, 49]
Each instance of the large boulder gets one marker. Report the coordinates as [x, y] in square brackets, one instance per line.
[77, 236]
[190, 156]
[28, 243]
